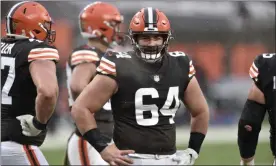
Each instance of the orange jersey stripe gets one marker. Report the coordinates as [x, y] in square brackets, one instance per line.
[43, 57]
[191, 68]
[107, 64]
[84, 54]
[85, 57]
[252, 75]
[105, 70]
[44, 52]
[192, 71]
[82, 60]
[254, 69]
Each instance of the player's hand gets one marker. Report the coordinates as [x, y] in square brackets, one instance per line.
[28, 128]
[112, 155]
[186, 157]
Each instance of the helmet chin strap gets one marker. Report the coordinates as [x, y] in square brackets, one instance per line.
[17, 36]
[147, 57]
[98, 35]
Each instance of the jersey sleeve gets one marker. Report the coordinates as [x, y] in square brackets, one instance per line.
[256, 71]
[81, 55]
[185, 62]
[192, 70]
[43, 51]
[107, 65]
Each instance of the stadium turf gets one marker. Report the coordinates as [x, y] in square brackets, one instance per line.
[215, 154]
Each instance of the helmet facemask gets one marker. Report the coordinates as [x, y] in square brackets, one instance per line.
[108, 32]
[51, 34]
[150, 54]
[47, 27]
[117, 37]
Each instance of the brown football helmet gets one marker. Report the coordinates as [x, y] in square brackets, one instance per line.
[150, 21]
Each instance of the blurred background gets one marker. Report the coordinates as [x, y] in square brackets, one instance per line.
[222, 38]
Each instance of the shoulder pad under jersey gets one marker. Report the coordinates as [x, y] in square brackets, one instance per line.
[107, 64]
[84, 54]
[42, 51]
[184, 61]
[261, 62]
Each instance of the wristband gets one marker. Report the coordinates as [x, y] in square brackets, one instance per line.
[196, 139]
[96, 139]
[38, 125]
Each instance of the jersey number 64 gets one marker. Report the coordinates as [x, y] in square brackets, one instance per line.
[166, 110]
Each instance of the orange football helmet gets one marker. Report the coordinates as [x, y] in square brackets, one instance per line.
[31, 20]
[100, 20]
[150, 21]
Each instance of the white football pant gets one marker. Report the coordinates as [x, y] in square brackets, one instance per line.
[80, 152]
[13, 153]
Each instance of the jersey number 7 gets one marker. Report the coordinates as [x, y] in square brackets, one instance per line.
[8, 76]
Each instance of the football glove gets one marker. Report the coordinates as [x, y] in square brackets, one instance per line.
[185, 157]
[30, 126]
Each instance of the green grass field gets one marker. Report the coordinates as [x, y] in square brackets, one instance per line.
[216, 154]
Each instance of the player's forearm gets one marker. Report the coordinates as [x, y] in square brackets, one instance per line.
[45, 103]
[87, 126]
[199, 127]
[77, 87]
[81, 77]
[199, 122]
[83, 118]
[76, 92]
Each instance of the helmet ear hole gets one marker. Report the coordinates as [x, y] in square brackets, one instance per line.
[36, 31]
[14, 25]
[134, 37]
[103, 29]
[24, 11]
[82, 26]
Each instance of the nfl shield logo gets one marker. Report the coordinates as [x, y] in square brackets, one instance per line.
[156, 78]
